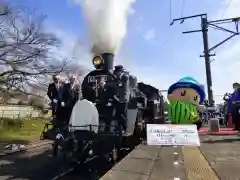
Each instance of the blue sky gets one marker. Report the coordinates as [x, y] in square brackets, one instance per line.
[154, 51]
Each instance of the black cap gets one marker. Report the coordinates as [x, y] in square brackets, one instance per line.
[236, 84]
[119, 68]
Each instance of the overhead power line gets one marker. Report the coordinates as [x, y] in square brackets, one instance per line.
[226, 8]
[170, 18]
[170, 10]
[183, 6]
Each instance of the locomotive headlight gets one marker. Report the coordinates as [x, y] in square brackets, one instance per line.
[97, 61]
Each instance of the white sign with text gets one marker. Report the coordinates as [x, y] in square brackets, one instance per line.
[170, 135]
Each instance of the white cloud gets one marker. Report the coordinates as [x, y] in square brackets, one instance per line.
[149, 35]
[132, 11]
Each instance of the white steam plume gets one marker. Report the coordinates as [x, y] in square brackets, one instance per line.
[107, 22]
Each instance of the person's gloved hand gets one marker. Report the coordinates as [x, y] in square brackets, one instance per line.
[55, 101]
[62, 104]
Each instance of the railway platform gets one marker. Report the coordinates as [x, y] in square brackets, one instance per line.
[218, 158]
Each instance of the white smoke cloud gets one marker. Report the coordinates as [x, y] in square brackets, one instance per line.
[107, 22]
[150, 35]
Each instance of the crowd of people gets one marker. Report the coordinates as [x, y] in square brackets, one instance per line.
[63, 96]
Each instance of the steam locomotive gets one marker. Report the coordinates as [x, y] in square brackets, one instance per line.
[112, 115]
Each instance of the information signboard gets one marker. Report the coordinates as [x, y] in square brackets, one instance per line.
[170, 135]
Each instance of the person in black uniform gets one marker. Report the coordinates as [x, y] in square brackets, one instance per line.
[70, 97]
[54, 94]
[122, 95]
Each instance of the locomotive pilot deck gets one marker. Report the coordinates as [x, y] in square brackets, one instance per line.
[218, 158]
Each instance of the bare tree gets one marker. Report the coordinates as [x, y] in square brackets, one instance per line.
[26, 51]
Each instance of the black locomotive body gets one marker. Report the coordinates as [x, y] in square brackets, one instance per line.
[102, 94]
[154, 111]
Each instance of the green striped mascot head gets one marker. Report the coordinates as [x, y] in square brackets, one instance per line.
[185, 96]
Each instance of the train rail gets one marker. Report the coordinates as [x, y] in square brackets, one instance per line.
[77, 173]
[81, 171]
[29, 147]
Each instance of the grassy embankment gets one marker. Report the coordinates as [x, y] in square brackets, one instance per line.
[21, 129]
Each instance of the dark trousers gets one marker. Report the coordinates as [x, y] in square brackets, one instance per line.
[236, 116]
[121, 114]
[54, 107]
[225, 119]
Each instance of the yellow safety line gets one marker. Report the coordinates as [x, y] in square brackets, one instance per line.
[197, 166]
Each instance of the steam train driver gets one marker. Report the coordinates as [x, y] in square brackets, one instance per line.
[122, 95]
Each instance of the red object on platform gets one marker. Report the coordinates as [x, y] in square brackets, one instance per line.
[230, 123]
[216, 131]
[221, 131]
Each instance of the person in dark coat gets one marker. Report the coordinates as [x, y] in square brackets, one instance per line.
[70, 97]
[54, 94]
[122, 95]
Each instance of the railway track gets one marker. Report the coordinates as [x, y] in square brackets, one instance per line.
[29, 147]
[82, 172]
[56, 169]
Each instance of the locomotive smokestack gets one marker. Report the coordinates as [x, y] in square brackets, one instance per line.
[108, 61]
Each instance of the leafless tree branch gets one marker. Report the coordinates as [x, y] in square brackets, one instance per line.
[25, 46]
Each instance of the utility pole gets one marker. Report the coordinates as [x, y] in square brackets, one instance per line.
[207, 59]
[205, 24]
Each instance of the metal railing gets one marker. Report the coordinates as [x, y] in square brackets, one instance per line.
[17, 112]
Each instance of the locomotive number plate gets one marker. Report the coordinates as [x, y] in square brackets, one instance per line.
[92, 79]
